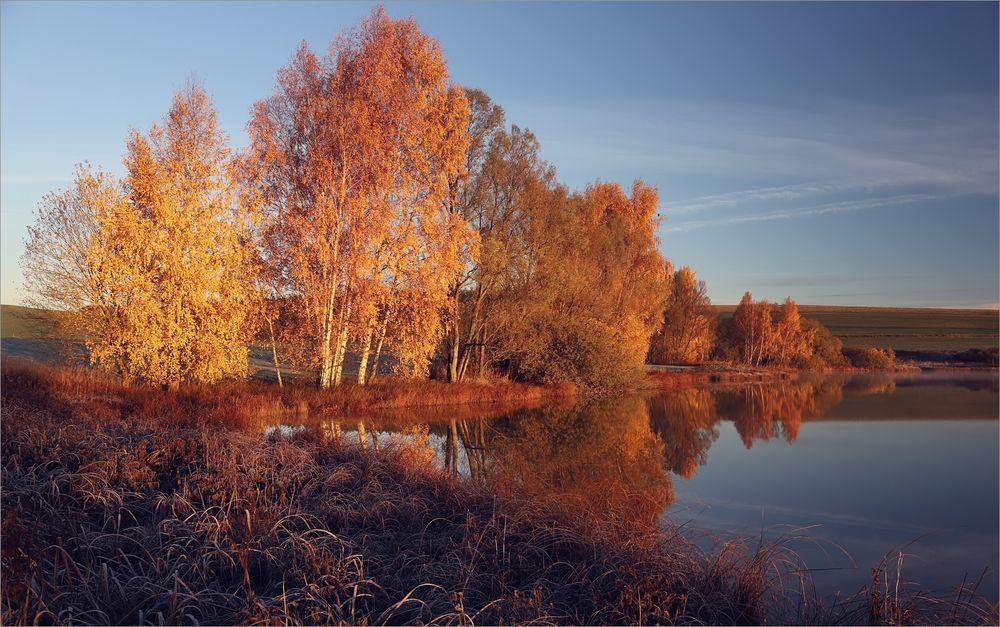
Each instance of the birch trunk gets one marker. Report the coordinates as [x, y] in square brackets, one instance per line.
[366, 345]
[378, 349]
[274, 351]
[341, 348]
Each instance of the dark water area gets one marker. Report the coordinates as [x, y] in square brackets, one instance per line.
[844, 471]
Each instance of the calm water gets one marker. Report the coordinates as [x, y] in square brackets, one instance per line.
[845, 469]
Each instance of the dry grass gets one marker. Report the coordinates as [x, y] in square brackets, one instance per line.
[117, 512]
[245, 403]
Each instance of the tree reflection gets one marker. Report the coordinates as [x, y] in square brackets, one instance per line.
[685, 421]
[600, 457]
[765, 412]
[614, 457]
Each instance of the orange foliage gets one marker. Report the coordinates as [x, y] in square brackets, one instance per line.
[349, 163]
[688, 332]
[157, 265]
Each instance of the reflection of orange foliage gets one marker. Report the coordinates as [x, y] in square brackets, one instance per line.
[686, 421]
[603, 457]
[765, 412]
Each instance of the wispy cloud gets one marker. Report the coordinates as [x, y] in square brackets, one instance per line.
[820, 280]
[783, 193]
[814, 210]
[744, 156]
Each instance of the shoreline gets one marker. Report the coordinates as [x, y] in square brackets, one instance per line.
[727, 374]
[104, 501]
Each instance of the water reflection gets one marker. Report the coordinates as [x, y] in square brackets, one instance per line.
[619, 454]
[620, 458]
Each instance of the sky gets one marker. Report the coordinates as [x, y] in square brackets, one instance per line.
[838, 153]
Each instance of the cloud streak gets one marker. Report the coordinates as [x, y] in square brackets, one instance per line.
[814, 210]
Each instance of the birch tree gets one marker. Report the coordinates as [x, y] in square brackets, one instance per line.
[352, 157]
[158, 263]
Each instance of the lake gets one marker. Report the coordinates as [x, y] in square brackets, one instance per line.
[843, 470]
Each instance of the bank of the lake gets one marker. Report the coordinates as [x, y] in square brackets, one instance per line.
[117, 510]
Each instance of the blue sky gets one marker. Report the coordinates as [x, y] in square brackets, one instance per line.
[838, 153]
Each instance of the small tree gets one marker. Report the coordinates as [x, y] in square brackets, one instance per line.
[158, 265]
[753, 330]
[689, 322]
[55, 260]
[789, 340]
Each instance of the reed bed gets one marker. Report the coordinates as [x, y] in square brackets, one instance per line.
[112, 516]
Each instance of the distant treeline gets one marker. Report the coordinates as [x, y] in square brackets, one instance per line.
[758, 333]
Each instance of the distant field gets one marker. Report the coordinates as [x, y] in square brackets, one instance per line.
[948, 330]
[905, 329]
[26, 323]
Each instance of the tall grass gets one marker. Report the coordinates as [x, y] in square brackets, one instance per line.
[116, 512]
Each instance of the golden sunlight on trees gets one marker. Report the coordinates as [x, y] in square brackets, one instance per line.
[758, 335]
[689, 322]
[509, 188]
[489, 201]
[378, 212]
[581, 309]
[350, 162]
[55, 258]
[158, 265]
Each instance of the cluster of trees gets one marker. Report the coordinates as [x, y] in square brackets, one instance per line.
[760, 333]
[378, 209]
[688, 334]
[152, 268]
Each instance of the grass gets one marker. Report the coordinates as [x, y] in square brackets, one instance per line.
[117, 512]
[243, 403]
[904, 329]
[27, 323]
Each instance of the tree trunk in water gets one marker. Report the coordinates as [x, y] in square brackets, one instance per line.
[274, 351]
[449, 439]
[453, 446]
[366, 345]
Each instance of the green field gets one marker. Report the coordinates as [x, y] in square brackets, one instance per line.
[26, 323]
[947, 330]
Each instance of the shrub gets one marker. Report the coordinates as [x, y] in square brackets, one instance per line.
[871, 358]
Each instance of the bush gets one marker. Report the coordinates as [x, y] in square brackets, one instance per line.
[588, 353]
[826, 347]
[871, 358]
